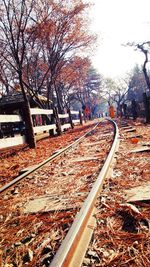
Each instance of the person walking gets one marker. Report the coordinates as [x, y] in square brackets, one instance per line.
[134, 109]
[111, 111]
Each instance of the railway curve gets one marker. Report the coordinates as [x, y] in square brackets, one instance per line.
[27, 225]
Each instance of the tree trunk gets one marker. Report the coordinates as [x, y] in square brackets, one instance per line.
[145, 51]
[147, 107]
[58, 124]
[70, 118]
[27, 116]
[59, 100]
[146, 77]
[80, 117]
[30, 138]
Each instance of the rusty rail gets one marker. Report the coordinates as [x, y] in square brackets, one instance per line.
[57, 154]
[68, 253]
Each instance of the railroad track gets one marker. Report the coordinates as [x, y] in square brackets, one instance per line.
[36, 167]
[73, 248]
[122, 233]
[51, 205]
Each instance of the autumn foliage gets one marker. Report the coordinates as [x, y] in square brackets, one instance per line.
[45, 44]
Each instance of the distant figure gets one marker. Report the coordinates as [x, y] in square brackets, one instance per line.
[134, 109]
[111, 111]
[83, 107]
[124, 106]
[120, 110]
[87, 112]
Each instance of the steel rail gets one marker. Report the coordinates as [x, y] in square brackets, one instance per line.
[67, 254]
[57, 154]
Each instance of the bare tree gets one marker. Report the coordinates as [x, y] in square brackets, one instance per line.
[115, 92]
[145, 49]
[15, 17]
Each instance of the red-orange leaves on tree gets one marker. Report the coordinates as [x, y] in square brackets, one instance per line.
[39, 38]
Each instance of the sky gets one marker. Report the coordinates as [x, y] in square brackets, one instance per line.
[117, 22]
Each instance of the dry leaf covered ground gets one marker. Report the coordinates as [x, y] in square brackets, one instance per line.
[37, 213]
[122, 236]
[13, 160]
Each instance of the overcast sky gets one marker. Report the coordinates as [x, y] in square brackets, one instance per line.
[117, 22]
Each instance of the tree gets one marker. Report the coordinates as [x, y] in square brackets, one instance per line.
[88, 92]
[71, 79]
[145, 49]
[137, 84]
[14, 20]
[138, 90]
[38, 38]
[116, 92]
[63, 36]
[14, 40]
[7, 78]
[120, 95]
